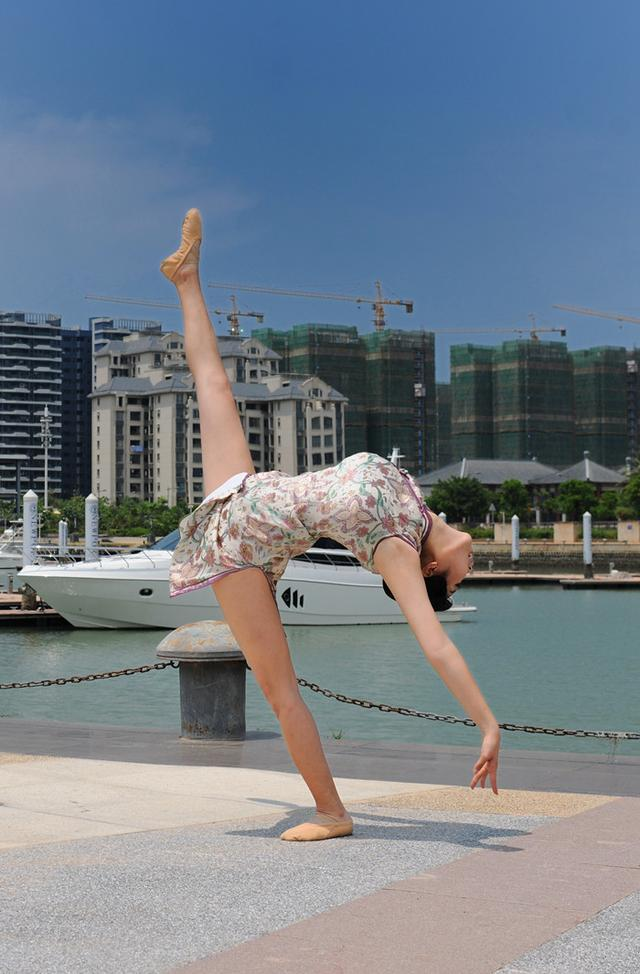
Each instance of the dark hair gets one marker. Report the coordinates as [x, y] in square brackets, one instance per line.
[436, 586]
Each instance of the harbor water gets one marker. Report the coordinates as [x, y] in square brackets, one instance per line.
[541, 656]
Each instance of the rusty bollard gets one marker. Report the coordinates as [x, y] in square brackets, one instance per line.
[212, 680]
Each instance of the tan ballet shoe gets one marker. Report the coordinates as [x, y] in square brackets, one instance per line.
[189, 249]
[321, 826]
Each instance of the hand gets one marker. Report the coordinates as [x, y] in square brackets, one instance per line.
[487, 763]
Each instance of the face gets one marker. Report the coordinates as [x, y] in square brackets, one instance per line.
[455, 561]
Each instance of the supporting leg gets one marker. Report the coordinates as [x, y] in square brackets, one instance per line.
[252, 615]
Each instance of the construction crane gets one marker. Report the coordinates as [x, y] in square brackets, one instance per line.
[532, 332]
[378, 303]
[232, 317]
[597, 314]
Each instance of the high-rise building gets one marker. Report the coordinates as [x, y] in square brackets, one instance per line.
[633, 403]
[337, 355]
[30, 379]
[513, 402]
[76, 411]
[444, 450]
[401, 399]
[533, 411]
[601, 407]
[471, 401]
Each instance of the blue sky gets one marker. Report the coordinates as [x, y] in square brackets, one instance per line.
[480, 159]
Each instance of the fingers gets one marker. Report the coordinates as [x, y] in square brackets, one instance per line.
[487, 768]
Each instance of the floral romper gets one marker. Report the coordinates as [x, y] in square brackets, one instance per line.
[264, 519]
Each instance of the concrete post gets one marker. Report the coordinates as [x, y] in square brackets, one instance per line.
[91, 527]
[515, 541]
[29, 528]
[62, 538]
[212, 681]
[587, 553]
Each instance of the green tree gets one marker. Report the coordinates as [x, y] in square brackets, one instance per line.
[461, 498]
[629, 505]
[607, 505]
[575, 497]
[513, 498]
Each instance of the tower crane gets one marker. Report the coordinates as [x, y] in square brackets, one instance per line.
[232, 317]
[532, 332]
[378, 303]
[597, 314]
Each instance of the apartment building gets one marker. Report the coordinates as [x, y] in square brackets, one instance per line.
[30, 379]
[146, 422]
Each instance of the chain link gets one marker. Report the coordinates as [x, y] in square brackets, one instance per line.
[91, 676]
[448, 719]
[385, 708]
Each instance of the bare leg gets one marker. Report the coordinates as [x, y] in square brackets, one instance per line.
[224, 446]
[245, 597]
[252, 615]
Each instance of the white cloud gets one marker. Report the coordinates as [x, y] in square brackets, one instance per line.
[94, 203]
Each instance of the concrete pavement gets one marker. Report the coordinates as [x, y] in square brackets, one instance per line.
[171, 861]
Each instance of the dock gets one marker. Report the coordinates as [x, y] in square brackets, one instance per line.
[43, 616]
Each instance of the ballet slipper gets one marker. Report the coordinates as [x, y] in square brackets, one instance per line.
[321, 826]
[189, 249]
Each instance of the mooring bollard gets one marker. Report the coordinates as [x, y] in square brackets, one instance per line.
[212, 680]
[515, 542]
[587, 549]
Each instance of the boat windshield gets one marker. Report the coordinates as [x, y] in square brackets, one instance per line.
[167, 543]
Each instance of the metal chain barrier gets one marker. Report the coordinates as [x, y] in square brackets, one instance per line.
[385, 708]
[91, 677]
[408, 712]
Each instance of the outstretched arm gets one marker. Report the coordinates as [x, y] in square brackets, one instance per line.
[399, 565]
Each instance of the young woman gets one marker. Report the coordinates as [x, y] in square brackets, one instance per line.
[241, 536]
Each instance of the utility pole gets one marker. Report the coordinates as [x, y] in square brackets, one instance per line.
[45, 436]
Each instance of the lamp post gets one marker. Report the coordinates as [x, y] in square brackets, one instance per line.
[45, 436]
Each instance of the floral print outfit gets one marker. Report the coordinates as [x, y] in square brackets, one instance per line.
[270, 516]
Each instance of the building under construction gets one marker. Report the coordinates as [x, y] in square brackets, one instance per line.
[401, 401]
[533, 402]
[335, 354]
[471, 401]
[514, 401]
[388, 377]
[601, 407]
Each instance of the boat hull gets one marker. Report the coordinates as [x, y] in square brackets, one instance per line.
[132, 592]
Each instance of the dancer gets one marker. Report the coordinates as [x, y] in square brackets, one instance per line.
[241, 536]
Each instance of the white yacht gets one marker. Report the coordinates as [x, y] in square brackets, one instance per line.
[325, 586]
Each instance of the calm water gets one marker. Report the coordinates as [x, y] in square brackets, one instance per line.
[540, 656]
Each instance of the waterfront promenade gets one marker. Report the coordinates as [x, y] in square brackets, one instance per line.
[124, 849]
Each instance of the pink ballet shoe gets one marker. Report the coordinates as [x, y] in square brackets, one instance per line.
[321, 826]
[189, 249]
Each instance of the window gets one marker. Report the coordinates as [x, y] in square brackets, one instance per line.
[254, 421]
[315, 423]
[255, 454]
[328, 458]
[316, 459]
[254, 438]
[328, 440]
[279, 440]
[328, 422]
[316, 441]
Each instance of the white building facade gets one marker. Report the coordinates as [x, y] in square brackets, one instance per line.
[146, 425]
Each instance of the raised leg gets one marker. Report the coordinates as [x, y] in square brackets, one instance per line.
[252, 615]
[224, 446]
